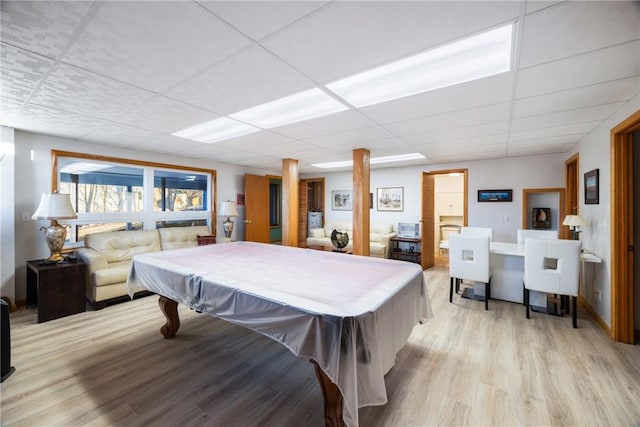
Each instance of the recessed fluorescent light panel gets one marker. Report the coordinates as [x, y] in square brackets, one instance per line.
[373, 160]
[216, 130]
[301, 106]
[473, 58]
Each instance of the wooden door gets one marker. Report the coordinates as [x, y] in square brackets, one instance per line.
[256, 200]
[572, 184]
[622, 229]
[426, 220]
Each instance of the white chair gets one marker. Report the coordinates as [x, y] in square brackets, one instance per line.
[478, 231]
[469, 260]
[541, 255]
[535, 234]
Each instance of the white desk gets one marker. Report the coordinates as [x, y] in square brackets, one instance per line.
[507, 267]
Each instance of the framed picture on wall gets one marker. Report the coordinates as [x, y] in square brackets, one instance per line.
[541, 218]
[391, 199]
[592, 187]
[341, 200]
[495, 195]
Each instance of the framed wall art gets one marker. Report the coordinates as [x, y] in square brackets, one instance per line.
[495, 195]
[592, 187]
[341, 200]
[390, 199]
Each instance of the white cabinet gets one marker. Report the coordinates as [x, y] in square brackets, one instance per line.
[450, 204]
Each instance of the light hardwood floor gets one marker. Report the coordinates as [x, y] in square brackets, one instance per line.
[466, 366]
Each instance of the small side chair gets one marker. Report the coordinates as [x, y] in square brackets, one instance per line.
[469, 260]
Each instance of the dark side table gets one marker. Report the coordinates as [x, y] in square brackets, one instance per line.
[57, 290]
[398, 252]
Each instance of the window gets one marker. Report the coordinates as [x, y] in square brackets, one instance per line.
[112, 194]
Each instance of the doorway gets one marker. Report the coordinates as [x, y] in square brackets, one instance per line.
[623, 294]
[311, 207]
[430, 219]
[448, 212]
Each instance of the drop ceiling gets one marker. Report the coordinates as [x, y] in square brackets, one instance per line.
[129, 74]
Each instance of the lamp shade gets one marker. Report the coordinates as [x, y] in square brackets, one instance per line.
[574, 221]
[228, 208]
[54, 206]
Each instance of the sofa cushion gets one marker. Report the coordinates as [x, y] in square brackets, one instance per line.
[377, 249]
[181, 237]
[375, 237]
[118, 246]
[381, 228]
[112, 275]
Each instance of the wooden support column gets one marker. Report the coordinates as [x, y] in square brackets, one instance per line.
[361, 215]
[290, 202]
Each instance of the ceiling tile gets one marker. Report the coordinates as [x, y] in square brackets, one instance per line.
[495, 153]
[460, 118]
[579, 115]
[121, 135]
[576, 27]
[256, 140]
[258, 19]
[162, 114]
[348, 37]
[487, 91]
[169, 144]
[358, 137]
[604, 93]
[43, 27]
[20, 72]
[53, 121]
[86, 93]
[460, 133]
[581, 128]
[332, 124]
[237, 83]
[614, 63]
[533, 6]
[152, 45]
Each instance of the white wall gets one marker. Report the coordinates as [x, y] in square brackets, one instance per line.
[7, 231]
[513, 173]
[594, 152]
[33, 177]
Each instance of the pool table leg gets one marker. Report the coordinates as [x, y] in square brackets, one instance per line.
[170, 310]
[332, 399]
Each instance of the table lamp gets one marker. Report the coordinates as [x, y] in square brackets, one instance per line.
[575, 222]
[55, 206]
[228, 209]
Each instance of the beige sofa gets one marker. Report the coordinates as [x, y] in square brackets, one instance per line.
[108, 256]
[379, 235]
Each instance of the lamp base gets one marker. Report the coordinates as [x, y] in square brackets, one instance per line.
[227, 227]
[55, 236]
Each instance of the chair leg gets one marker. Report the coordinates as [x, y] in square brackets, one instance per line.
[566, 304]
[451, 279]
[575, 311]
[526, 301]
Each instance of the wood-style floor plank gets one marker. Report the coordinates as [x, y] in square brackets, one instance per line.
[466, 366]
